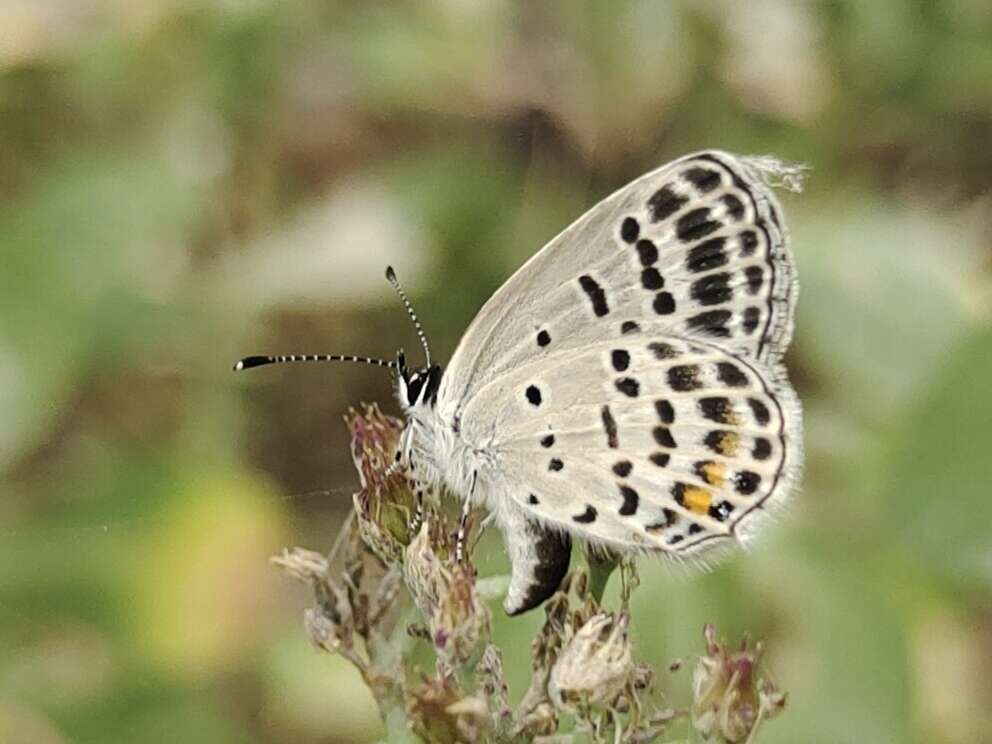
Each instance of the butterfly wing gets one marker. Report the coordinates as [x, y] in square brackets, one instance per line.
[638, 442]
[642, 442]
[625, 384]
[696, 247]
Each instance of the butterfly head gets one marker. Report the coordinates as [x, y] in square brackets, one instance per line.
[417, 387]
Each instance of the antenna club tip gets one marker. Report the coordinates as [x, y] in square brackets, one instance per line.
[390, 274]
[252, 361]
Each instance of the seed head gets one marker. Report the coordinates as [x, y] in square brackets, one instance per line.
[596, 663]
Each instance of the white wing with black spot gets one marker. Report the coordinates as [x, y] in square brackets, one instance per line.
[697, 247]
[677, 446]
[625, 385]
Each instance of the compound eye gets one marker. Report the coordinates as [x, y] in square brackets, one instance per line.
[413, 388]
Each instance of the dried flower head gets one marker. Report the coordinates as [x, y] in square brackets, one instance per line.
[386, 505]
[445, 592]
[584, 678]
[596, 663]
[729, 699]
[439, 712]
[491, 684]
[330, 624]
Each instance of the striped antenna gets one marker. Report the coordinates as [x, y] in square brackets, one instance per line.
[391, 276]
[259, 361]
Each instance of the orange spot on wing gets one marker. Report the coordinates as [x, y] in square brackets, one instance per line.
[697, 499]
[714, 473]
[729, 443]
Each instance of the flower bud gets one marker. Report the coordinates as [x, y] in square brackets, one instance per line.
[728, 698]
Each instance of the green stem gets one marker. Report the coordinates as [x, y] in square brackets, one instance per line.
[602, 564]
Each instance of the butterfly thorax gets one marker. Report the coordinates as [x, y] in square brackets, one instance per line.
[434, 447]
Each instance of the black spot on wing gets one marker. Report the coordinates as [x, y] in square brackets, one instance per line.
[752, 316]
[746, 482]
[596, 295]
[665, 411]
[704, 179]
[533, 394]
[661, 350]
[711, 322]
[670, 518]
[620, 360]
[710, 254]
[629, 230]
[647, 252]
[762, 449]
[548, 441]
[733, 206]
[543, 338]
[664, 303]
[664, 203]
[630, 501]
[663, 436]
[760, 411]
[749, 242]
[660, 459]
[652, 279]
[628, 386]
[718, 409]
[755, 277]
[555, 465]
[588, 516]
[720, 511]
[629, 326]
[623, 468]
[712, 289]
[610, 427]
[695, 224]
[684, 377]
[730, 375]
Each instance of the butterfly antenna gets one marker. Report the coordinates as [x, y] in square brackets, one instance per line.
[391, 276]
[261, 360]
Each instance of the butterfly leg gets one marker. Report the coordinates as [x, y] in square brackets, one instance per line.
[419, 514]
[463, 522]
[403, 453]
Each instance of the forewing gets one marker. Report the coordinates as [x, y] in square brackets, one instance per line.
[645, 442]
[696, 248]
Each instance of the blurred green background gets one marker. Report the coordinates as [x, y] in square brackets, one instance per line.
[185, 182]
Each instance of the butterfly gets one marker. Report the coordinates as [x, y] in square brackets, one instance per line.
[625, 386]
